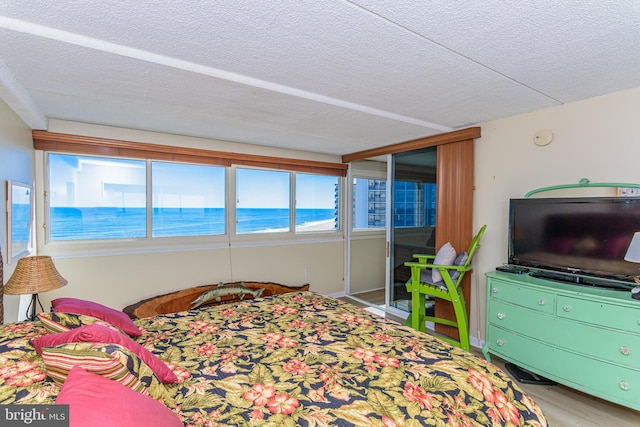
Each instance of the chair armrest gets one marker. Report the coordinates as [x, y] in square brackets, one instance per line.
[423, 257]
[422, 265]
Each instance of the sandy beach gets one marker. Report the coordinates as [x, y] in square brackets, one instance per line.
[325, 225]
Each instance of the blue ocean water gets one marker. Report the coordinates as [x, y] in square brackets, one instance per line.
[20, 220]
[113, 223]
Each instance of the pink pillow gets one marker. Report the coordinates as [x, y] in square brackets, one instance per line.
[89, 308]
[103, 335]
[100, 402]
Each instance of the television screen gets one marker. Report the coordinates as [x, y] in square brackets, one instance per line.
[583, 240]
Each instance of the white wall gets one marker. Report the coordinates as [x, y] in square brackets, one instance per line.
[120, 280]
[16, 164]
[597, 139]
[368, 268]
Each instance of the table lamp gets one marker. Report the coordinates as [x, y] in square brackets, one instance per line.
[34, 275]
[633, 255]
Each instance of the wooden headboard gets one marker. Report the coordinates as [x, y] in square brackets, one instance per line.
[181, 300]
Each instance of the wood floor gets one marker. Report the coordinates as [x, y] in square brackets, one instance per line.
[566, 407]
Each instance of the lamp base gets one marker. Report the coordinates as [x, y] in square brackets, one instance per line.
[31, 308]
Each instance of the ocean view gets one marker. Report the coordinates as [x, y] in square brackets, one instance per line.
[115, 223]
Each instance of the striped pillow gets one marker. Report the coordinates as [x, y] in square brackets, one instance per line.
[63, 322]
[99, 334]
[108, 360]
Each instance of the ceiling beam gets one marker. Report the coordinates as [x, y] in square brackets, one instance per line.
[168, 61]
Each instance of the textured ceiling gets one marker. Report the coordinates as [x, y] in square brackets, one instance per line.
[328, 76]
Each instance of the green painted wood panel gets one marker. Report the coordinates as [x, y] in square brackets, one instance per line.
[534, 299]
[585, 338]
[608, 381]
[598, 342]
[626, 318]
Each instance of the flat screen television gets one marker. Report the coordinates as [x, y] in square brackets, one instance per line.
[577, 240]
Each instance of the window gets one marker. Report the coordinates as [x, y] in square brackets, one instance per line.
[93, 198]
[369, 203]
[409, 203]
[188, 200]
[262, 201]
[414, 204]
[430, 204]
[19, 220]
[317, 199]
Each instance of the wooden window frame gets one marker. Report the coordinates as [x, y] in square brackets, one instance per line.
[78, 144]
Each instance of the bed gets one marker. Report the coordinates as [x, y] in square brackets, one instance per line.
[295, 359]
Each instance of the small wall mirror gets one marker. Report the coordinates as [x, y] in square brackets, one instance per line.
[19, 220]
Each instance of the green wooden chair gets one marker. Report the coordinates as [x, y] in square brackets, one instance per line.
[449, 288]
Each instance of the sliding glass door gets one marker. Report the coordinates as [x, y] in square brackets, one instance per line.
[412, 220]
[423, 186]
[393, 216]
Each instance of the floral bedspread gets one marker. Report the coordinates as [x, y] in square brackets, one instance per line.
[298, 359]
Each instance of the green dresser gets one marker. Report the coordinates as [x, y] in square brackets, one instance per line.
[583, 337]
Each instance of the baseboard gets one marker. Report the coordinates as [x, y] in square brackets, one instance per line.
[367, 291]
[337, 295]
[476, 343]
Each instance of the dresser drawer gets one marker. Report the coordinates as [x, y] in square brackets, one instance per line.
[522, 296]
[590, 340]
[521, 320]
[600, 378]
[599, 343]
[594, 312]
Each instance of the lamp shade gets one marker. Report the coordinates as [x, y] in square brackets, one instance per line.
[34, 275]
[633, 253]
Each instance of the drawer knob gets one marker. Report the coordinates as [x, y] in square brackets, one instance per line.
[500, 316]
[541, 302]
[500, 342]
[625, 350]
[567, 308]
[624, 385]
[496, 290]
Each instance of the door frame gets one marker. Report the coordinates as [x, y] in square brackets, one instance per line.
[454, 217]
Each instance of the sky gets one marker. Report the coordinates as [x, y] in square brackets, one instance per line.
[83, 181]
